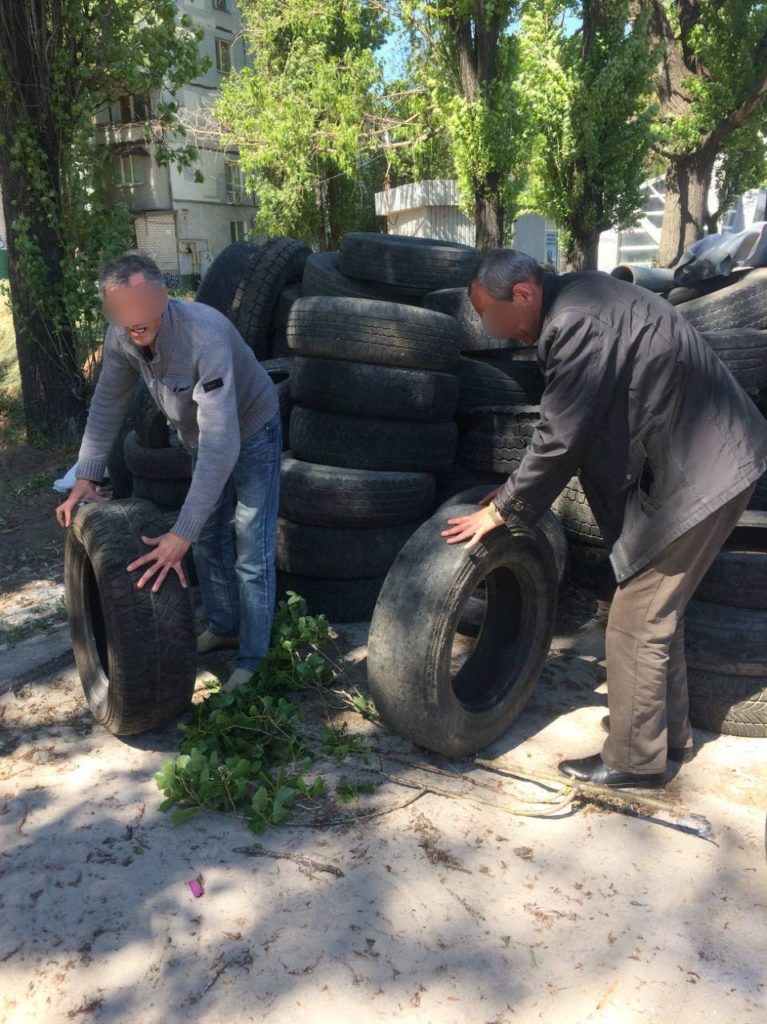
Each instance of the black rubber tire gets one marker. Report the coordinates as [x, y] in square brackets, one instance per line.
[280, 370]
[458, 478]
[455, 302]
[227, 277]
[549, 525]
[743, 303]
[686, 293]
[167, 495]
[483, 384]
[135, 651]
[339, 600]
[726, 641]
[495, 439]
[142, 404]
[575, 514]
[152, 428]
[416, 265]
[361, 389]
[738, 576]
[339, 553]
[333, 439]
[726, 704]
[743, 350]
[590, 569]
[157, 463]
[322, 276]
[417, 616]
[383, 333]
[329, 496]
[758, 502]
[290, 294]
[278, 262]
[147, 418]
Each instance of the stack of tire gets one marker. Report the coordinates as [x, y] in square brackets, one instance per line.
[726, 636]
[726, 623]
[146, 460]
[253, 285]
[589, 562]
[375, 393]
[500, 387]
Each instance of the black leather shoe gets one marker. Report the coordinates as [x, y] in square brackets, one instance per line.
[593, 769]
[682, 755]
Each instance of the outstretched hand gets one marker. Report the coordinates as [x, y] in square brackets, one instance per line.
[167, 553]
[471, 528]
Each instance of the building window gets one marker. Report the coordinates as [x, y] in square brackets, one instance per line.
[238, 230]
[223, 55]
[221, 5]
[129, 170]
[133, 109]
[234, 182]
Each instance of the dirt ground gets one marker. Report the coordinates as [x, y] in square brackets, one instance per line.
[429, 900]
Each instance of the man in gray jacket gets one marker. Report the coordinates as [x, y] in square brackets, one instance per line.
[668, 449]
[224, 407]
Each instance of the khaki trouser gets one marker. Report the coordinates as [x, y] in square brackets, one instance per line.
[646, 667]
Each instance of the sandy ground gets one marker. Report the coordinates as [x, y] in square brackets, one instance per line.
[432, 906]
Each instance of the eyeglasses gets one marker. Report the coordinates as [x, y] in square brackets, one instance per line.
[134, 304]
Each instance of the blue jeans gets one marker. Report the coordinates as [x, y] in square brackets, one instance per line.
[235, 558]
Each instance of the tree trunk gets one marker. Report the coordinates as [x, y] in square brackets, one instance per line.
[52, 383]
[489, 215]
[685, 217]
[583, 251]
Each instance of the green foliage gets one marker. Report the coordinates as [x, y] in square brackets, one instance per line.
[464, 63]
[349, 791]
[243, 752]
[299, 116]
[337, 743]
[593, 113]
[64, 220]
[723, 43]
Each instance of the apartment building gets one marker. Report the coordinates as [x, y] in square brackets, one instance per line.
[183, 223]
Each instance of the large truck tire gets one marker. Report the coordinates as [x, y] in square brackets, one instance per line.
[135, 650]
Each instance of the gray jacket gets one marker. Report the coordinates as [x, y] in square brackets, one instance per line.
[635, 398]
[208, 383]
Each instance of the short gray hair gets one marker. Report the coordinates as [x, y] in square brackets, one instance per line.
[118, 271]
[499, 270]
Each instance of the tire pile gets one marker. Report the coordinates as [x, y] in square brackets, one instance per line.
[725, 624]
[375, 392]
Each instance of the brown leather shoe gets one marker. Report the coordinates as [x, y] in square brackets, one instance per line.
[682, 755]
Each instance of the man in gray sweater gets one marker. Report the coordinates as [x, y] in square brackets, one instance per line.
[224, 407]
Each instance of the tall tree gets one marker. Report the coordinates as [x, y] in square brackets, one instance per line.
[300, 115]
[711, 84]
[465, 59]
[60, 60]
[587, 72]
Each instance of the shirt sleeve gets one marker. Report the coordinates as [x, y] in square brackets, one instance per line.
[571, 404]
[219, 438]
[109, 405]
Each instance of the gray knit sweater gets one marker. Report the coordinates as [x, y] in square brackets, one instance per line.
[208, 383]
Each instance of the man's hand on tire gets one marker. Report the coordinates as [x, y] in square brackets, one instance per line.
[472, 528]
[83, 490]
[167, 553]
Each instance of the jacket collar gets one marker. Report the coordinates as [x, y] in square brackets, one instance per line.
[551, 285]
